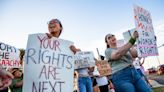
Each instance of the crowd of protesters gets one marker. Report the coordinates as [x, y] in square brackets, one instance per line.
[124, 78]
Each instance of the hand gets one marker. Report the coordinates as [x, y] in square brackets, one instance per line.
[6, 79]
[6, 83]
[49, 35]
[135, 34]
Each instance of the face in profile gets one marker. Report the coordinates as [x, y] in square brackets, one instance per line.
[54, 27]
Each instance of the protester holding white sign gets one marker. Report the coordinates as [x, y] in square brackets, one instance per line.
[84, 60]
[123, 72]
[53, 59]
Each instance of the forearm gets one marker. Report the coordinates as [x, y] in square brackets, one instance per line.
[74, 49]
[123, 50]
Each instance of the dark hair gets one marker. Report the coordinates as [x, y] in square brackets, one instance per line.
[58, 21]
[102, 57]
[14, 70]
[107, 46]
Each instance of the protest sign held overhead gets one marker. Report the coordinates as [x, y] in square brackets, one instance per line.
[146, 43]
[84, 59]
[9, 56]
[49, 65]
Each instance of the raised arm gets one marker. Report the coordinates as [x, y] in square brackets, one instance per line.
[117, 54]
[74, 49]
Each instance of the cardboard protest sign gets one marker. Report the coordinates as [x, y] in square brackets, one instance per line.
[9, 56]
[103, 67]
[49, 65]
[146, 44]
[84, 59]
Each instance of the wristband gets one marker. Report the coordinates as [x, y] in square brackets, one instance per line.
[132, 41]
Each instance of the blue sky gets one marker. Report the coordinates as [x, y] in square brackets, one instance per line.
[85, 22]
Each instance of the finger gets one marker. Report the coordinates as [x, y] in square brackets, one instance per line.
[49, 35]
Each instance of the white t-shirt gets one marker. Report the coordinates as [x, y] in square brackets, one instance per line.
[83, 72]
[101, 81]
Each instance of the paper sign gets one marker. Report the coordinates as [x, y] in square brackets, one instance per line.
[84, 59]
[49, 65]
[146, 44]
[9, 56]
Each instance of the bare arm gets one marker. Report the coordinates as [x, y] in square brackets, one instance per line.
[74, 49]
[124, 49]
[121, 51]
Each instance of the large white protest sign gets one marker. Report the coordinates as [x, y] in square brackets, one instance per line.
[146, 44]
[49, 65]
[84, 59]
[9, 56]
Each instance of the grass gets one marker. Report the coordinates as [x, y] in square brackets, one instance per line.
[158, 89]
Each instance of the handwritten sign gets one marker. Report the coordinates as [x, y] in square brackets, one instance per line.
[146, 44]
[9, 56]
[49, 65]
[103, 68]
[84, 59]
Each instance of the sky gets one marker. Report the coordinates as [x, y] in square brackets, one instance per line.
[85, 22]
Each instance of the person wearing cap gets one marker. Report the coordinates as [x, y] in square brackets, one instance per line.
[124, 76]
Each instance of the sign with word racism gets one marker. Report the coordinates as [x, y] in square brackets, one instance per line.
[49, 65]
[128, 34]
[103, 67]
[146, 44]
[84, 59]
[9, 56]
